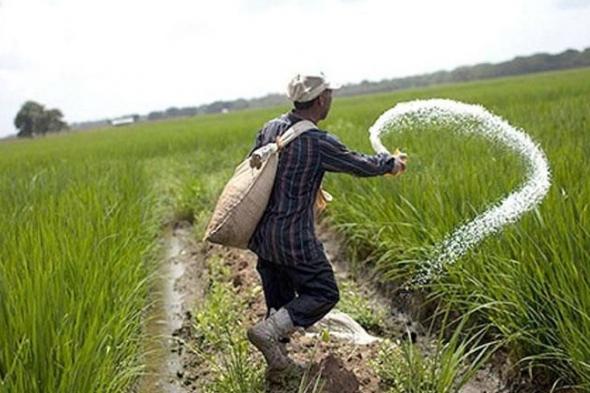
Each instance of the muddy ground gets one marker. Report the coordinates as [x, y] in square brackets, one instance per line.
[345, 367]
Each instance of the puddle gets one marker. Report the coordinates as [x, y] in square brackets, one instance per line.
[176, 290]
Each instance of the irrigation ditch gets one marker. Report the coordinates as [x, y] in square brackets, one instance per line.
[345, 360]
[178, 287]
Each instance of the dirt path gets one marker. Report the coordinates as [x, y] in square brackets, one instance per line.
[173, 368]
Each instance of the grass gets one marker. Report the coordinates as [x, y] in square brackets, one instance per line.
[457, 350]
[221, 341]
[69, 252]
[446, 368]
[79, 223]
[353, 302]
[81, 214]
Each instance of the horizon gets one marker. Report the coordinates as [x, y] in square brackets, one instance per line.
[357, 82]
[98, 71]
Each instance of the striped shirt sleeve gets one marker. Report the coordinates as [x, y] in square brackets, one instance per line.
[336, 157]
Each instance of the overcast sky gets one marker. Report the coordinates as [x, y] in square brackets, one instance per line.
[97, 59]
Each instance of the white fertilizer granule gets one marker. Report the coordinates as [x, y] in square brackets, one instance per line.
[471, 119]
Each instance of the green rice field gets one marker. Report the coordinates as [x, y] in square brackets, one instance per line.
[81, 215]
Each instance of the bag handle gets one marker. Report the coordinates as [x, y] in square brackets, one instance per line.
[293, 132]
[261, 154]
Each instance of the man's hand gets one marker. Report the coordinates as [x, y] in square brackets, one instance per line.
[400, 163]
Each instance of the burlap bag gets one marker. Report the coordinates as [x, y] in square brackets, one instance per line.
[245, 197]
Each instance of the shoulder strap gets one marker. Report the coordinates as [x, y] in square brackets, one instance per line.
[261, 154]
[294, 131]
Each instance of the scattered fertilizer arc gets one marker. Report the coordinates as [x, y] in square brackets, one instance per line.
[470, 119]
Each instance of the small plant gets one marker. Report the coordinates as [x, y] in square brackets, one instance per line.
[221, 309]
[310, 383]
[358, 307]
[221, 339]
[404, 367]
[236, 372]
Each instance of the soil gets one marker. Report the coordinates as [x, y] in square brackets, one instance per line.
[344, 367]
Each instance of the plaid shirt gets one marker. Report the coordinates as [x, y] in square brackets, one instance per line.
[286, 232]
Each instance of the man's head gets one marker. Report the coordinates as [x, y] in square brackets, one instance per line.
[311, 94]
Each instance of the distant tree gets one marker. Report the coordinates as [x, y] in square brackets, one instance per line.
[172, 112]
[216, 107]
[52, 121]
[32, 119]
[155, 115]
[239, 104]
[28, 119]
[188, 111]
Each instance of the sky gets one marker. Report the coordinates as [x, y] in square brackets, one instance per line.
[102, 59]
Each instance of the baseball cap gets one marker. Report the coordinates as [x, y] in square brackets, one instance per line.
[303, 88]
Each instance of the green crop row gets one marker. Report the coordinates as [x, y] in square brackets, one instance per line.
[79, 226]
[530, 281]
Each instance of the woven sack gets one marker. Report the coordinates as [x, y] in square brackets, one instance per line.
[245, 197]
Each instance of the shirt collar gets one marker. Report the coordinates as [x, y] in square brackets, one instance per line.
[293, 118]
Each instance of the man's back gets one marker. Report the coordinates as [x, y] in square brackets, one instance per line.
[286, 233]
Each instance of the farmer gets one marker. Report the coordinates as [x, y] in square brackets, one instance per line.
[297, 278]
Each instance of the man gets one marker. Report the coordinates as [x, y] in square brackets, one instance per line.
[297, 278]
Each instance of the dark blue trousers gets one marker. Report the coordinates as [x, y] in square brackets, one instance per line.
[307, 290]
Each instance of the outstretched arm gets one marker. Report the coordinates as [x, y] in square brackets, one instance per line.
[336, 157]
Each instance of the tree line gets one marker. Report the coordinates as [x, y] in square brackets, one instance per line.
[520, 65]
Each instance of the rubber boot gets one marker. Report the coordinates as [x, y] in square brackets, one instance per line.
[265, 336]
[283, 340]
